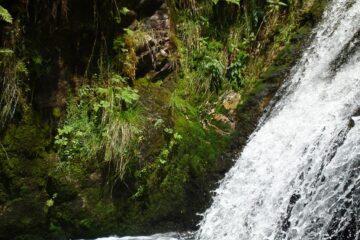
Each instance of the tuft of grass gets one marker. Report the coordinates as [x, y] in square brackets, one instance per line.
[13, 73]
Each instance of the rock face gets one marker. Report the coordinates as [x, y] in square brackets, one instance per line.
[231, 100]
[158, 49]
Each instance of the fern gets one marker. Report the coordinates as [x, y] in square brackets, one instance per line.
[6, 52]
[5, 15]
[237, 2]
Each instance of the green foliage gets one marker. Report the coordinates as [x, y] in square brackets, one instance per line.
[13, 72]
[115, 96]
[126, 46]
[119, 13]
[236, 2]
[104, 123]
[190, 33]
[277, 2]
[175, 138]
[50, 203]
[234, 72]
[178, 104]
[5, 15]
[119, 44]
[276, 5]
[128, 95]
[189, 151]
[159, 123]
[213, 69]
[199, 146]
[27, 138]
[208, 63]
[79, 138]
[6, 52]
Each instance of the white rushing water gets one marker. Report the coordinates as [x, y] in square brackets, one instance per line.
[299, 175]
[166, 236]
[163, 236]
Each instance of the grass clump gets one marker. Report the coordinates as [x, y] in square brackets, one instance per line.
[104, 123]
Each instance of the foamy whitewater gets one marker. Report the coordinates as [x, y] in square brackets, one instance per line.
[298, 177]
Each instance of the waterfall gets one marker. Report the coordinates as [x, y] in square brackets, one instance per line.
[298, 177]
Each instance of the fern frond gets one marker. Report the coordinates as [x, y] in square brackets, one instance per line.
[5, 15]
[6, 51]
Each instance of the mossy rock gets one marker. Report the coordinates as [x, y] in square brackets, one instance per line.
[24, 168]
[23, 215]
[312, 12]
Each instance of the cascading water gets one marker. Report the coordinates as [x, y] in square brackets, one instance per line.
[299, 175]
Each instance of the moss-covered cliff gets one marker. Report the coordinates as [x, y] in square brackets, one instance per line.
[121, 116]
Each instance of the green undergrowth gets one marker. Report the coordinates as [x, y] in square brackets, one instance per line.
[25, 162]
[132, 152]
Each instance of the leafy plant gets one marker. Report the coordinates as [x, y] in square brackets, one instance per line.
[178, 104]
[165, 152]
[119, 121]
[207, 62]
[6, 52]
[275, 5]
[159, 123]
[237, 2]
[119, 13]
[213, 69]
[50, 203]
[79, 138]
[5, 15]
[104, 123]
[128, 95]
[234, 72]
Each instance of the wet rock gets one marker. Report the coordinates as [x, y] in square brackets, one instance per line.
[231, 100]
[148, 7]
[221, 118]
[22, 215]
[354, 118]
[224, 119]
[158, 48]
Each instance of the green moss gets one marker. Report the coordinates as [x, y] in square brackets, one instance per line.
[24, 168]
[170, 196]
[316, 10]
[26, 138]
[56, 112]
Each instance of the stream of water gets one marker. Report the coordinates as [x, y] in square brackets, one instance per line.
[298, 177]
